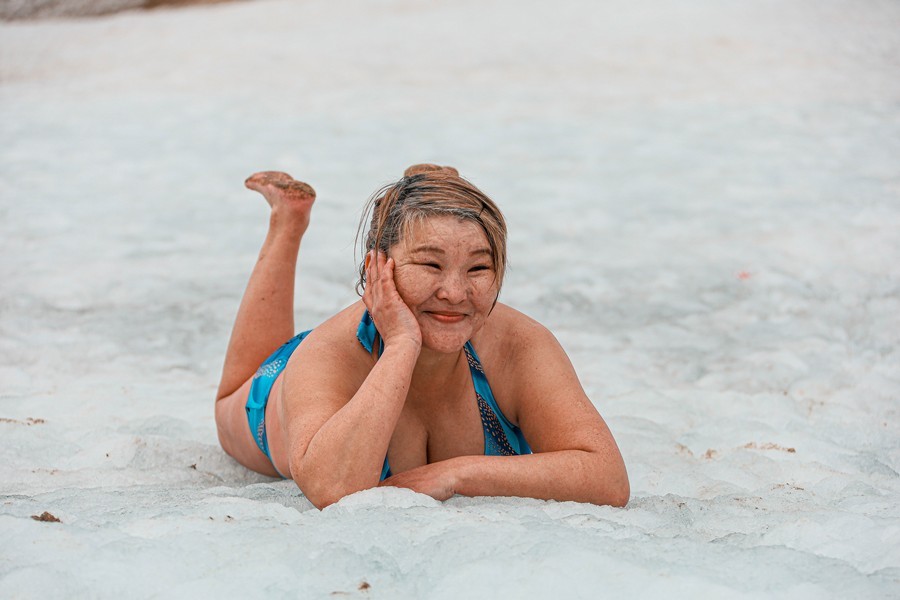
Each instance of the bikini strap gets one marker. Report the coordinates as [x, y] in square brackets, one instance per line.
[501, 437]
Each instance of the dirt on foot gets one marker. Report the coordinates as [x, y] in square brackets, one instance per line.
[428, 167]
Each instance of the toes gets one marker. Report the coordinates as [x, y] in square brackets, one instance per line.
[267, 182]
[427, 168]
[257, 180]
[422, 168]
[296, 188]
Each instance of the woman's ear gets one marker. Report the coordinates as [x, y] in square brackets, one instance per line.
[368, 259]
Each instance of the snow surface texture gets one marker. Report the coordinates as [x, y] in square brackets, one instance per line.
[704, 205]
[37, 9]
[28, 9]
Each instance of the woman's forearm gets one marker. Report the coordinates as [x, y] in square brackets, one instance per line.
[347, 454]
[576, 475]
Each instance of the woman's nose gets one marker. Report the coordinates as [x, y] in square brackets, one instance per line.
[452, 288]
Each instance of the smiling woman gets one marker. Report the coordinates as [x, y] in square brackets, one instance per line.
[428, 382]
[444, 274]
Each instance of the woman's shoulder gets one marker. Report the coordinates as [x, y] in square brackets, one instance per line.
[337, 335]
[331, 359]
[517, 354]
[510, 327]
[346, 320]
[509, 334]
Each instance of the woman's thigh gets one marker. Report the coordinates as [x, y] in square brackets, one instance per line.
[235, 435]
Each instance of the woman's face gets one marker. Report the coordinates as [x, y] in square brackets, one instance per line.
[445, 275]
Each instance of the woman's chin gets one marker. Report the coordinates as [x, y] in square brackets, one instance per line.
[445, 339]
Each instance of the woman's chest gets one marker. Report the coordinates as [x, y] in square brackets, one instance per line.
[437, 428]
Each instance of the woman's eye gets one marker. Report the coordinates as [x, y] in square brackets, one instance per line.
[480, 268]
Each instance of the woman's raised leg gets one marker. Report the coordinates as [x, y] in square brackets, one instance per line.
[265, 319]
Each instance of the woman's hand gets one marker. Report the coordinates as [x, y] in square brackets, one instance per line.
[436, 480]
[394, 320]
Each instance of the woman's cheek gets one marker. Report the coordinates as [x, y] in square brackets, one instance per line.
[410, 283]
[486, 286]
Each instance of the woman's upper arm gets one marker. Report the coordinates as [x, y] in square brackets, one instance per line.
[321, 378]
[550, 404]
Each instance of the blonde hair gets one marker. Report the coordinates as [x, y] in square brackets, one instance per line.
[428, 191]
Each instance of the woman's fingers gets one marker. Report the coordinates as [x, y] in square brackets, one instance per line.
[391, 315]
[388, 273]
[435, 480]
[369, 290]
[381, 262]
[372, 294]
[378, 270]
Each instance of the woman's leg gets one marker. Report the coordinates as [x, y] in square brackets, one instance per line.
[265, 319]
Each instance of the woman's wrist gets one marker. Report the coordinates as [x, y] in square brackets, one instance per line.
[459, 474]
[404, 344]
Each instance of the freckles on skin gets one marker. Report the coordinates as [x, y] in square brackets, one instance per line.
[444, 269]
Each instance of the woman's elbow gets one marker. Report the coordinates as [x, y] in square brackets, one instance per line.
[320, 498]
[611, 483]
[620, 494]
[620, 490]
[321, 491]
[319, 495]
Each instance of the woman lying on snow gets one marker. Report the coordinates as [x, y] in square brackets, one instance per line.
[394, 389]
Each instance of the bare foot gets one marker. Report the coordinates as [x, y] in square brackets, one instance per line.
[427, 167]
[286, 195]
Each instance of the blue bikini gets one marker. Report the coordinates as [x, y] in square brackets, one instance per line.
[501, 438]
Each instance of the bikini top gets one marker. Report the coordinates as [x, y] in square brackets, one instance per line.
[501, 438]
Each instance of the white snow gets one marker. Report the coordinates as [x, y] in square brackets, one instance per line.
[704, 205]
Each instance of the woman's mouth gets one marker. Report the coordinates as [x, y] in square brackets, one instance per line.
[446, 317]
